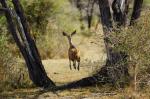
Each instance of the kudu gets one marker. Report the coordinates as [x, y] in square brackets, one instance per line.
[73, 52]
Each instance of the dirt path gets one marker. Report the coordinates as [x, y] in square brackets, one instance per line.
[60, 73]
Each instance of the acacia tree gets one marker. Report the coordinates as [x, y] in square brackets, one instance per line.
[26, 44]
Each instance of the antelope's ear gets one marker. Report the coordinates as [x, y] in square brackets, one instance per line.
[73, 33]
[64, 34]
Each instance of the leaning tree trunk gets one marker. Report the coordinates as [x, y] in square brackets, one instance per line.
[27, 45]
[136, 10]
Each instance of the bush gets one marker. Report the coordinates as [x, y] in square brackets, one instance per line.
[135, 41]
[38, 12]
[9, 63]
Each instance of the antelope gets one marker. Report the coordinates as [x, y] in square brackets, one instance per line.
[73, 52]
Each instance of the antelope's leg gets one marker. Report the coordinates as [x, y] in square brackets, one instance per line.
[74, 64]
[78, 64]
[70, 64]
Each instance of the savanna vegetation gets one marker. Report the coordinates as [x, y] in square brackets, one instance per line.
[48, 19]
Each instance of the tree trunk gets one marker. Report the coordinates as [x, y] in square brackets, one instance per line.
[106, 23]
[90, 10]
[112, 56]
[136, 10]
[120, 11]
[105, 14]
[27, 47]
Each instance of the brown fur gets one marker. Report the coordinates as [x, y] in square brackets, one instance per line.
[73, 54]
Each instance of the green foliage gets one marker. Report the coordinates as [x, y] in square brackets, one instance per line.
[38, 12]
[147, 1]
[2, 21]
[4, 51]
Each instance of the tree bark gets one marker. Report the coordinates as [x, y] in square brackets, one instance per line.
[27, 47]
[106, 17]
[90, 10]
[136, 10]
[120, 13]
[106, 23]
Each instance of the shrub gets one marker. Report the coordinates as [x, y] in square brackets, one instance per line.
[9, 63]
[135, 41]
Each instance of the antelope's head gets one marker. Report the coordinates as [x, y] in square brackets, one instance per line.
[69, 36]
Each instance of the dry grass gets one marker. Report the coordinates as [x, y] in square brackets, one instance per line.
[93, 92]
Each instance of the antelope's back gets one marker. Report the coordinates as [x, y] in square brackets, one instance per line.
[74, 53]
